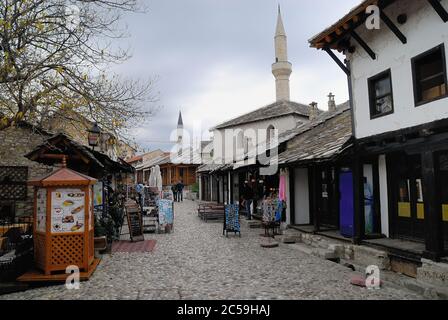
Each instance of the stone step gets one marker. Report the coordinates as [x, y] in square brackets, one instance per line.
[302, 248]
[318, 252]
[254, 224]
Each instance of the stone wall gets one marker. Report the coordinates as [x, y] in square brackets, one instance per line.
[14, 144]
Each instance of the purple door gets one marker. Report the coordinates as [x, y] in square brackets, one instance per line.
[347, 213]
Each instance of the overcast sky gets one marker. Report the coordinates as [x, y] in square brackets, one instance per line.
[213, 58]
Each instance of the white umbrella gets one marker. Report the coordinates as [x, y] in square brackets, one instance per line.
[152, 178]
[158, 178]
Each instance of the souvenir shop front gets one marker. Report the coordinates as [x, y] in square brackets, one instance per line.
[413, 181]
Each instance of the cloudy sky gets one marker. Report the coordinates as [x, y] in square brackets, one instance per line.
[213, 58]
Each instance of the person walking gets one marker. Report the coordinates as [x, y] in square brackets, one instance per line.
[139, 189]
[174, 190]
[248, 195]
[180, 191]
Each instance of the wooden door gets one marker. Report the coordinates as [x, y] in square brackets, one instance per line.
[442, 186]
[409, 204]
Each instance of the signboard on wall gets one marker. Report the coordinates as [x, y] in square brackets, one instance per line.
[98, 194]
[67, 211]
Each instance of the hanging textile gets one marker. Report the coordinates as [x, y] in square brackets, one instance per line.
[282, 188]
[272, 210]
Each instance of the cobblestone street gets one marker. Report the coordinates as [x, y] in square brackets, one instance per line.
[197, 262]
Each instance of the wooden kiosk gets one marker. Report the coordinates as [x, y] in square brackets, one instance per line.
[63, 224]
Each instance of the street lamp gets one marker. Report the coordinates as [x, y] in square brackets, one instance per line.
[94, 136]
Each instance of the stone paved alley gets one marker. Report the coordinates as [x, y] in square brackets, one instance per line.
[197, 262]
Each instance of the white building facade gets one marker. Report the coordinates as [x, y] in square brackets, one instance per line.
[399, 97]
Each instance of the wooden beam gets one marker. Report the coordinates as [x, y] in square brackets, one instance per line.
[393, 27]
[292, 198]
[339, 62]
[433, 213]
[364, 45]
[439, 9]
[358, 200]
[60, 156]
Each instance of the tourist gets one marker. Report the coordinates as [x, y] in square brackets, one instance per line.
[174, 190]
[139, 188]
[180, 191]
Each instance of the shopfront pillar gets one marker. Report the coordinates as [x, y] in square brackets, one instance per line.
[358, 200]
[433, 214]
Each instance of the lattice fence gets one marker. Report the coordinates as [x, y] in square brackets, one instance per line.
[67, 250]
[13, 182]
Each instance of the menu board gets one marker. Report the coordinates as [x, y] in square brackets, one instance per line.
[232, 221]
[41, 225]
[67, 211]
[135, 224]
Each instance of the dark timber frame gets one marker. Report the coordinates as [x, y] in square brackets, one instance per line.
[439, 9]
[393, 27]
[363, 44]
[339, 62]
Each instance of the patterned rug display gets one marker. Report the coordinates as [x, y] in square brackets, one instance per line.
[128, 246]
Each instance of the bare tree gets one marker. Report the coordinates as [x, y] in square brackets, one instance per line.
[54, 60]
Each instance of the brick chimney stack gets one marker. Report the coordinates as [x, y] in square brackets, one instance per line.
[331, 102]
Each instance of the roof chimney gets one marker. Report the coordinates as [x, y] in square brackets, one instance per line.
[331, 102]
[313, 110]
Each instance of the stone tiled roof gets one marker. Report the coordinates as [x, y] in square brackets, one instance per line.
[274, 110]
[321, 118]
[320, 140]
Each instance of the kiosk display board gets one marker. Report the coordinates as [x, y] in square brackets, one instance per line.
[67, 211]
[41, 210]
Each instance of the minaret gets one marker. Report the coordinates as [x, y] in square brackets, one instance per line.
[281, 69]
[180, 129]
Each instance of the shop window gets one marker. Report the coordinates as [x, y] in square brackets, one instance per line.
[429, 72]
[443, 178]
[380, 95]
[404, 201]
